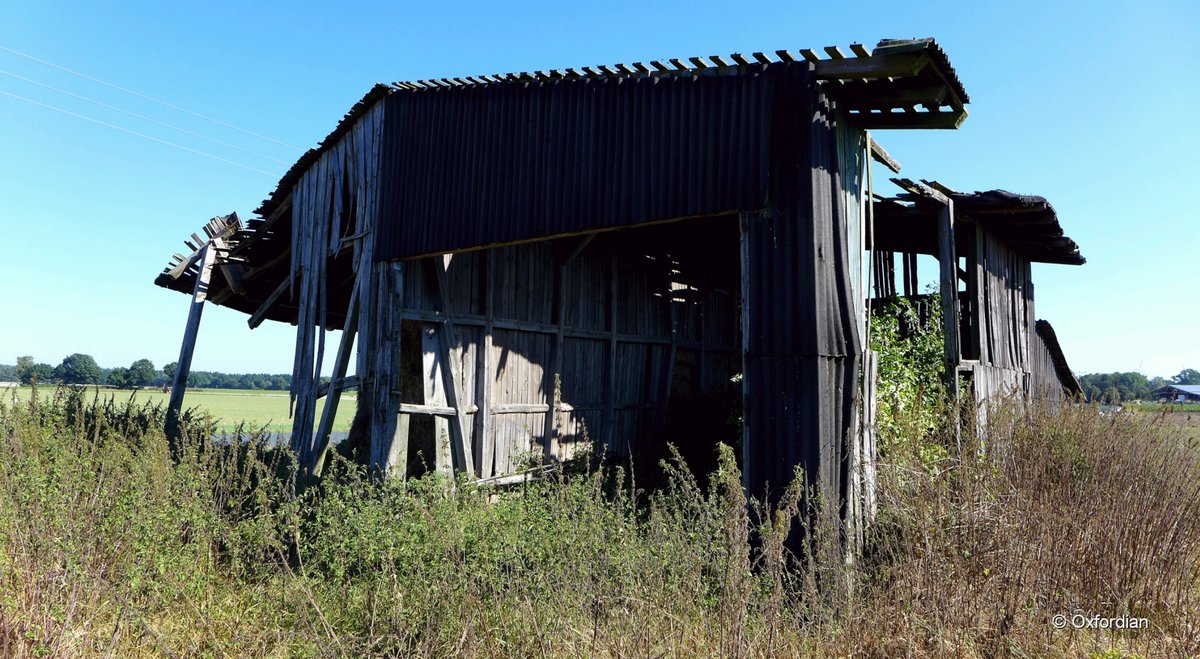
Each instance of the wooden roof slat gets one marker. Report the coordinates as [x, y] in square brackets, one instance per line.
[883, 157]
[875, 66]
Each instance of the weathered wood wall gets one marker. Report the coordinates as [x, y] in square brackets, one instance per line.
[479, 358]
[333, 217]
[550, 349]
[1005, 303]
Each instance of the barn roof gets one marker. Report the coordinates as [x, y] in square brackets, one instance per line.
[901, 83]
[1191, 389]
[1027, 223]
[898, 84]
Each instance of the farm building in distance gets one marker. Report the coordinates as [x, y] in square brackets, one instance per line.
[529, 261]
[1177, 393]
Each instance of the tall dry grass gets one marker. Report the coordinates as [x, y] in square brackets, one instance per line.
[108, 547]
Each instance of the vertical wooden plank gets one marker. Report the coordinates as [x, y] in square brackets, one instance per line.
[552, 376]
[188, 345]
[669, 366]
[397, 458]
[610, 383]
[450, 358]
[484, 376]
[433, 371]
[909, 274]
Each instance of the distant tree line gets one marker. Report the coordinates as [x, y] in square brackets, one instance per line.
[1116, 388]
[83, 369]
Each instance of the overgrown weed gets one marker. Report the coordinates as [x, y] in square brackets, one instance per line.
[108, 546]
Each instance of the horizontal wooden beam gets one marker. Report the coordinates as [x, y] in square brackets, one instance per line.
[921, 190]
[341, 384]
[472, 320]
[432, 410]
[909, 120]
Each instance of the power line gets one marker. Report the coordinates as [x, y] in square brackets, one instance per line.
[148, 98]
[142, 117]
[134, 132]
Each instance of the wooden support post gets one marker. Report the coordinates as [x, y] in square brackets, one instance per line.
[948, 263]
[336, 383]
[381, 324]
[192, 329]
[981, 295]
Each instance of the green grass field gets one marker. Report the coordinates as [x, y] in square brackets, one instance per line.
[230, 406]
[1168, 407]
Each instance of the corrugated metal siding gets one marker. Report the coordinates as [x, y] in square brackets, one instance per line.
[483, 165]
[800, 307]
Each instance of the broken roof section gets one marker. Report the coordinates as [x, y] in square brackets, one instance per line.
[1027, 223]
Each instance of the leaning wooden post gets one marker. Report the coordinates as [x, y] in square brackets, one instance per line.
[199, 294]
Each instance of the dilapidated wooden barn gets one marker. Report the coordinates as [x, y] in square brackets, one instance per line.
[530, 261]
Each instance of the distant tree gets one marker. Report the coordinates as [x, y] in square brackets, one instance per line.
[169, 371]
[118, 377]
[199, 380]
[141, 372]
[42, 373]
[1186, 376]
[8, 373]
[25, 369]
[78, 369]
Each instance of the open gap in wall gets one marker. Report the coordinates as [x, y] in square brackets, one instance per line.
[624, 340]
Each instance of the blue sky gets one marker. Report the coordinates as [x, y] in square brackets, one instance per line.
[1091, 105]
